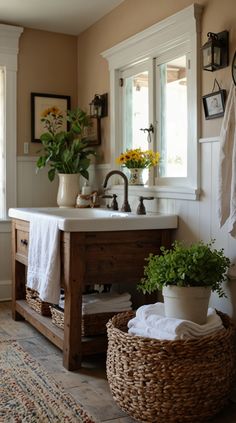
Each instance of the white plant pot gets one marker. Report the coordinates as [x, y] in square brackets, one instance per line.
[187, 303]
[68, 189]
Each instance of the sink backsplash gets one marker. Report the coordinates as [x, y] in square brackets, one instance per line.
[36, 191]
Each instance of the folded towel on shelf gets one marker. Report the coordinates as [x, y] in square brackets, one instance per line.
[43, 273]
[106, 297]
[104, 303]
[151, 322]
[100, 308]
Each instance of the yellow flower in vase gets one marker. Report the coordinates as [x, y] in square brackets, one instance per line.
[136, 160]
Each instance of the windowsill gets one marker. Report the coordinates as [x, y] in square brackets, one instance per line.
[180, 193]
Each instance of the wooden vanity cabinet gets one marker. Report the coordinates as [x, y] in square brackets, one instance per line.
[87, 258]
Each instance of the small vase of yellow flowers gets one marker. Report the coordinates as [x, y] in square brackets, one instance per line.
[136, 161]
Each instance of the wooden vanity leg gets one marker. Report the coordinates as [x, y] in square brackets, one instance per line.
[18, 278]
[18, 287]
[74, 270]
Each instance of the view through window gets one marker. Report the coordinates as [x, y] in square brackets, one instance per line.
[173, 128]
[135, 111]
[170, 98]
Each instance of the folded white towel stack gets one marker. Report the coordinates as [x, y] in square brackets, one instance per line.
[151, 322]
[44, 258]
[104, 303]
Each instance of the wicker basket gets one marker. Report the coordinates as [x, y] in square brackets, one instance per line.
[36, 304]
[92, 324]
[170, 381]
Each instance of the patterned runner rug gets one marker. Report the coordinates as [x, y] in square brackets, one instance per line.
[29, 395]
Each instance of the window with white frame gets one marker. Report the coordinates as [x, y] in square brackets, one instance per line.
[9, 39]
[170, 125]
[154, 81]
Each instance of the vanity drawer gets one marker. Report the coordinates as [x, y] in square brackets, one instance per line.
[22, 242]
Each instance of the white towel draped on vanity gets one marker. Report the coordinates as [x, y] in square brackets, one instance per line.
[44, 258]
[151, 322]
[227, 165]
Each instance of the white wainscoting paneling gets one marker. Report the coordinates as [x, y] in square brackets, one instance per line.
[34, 188]
[5, 265]
[5, 290]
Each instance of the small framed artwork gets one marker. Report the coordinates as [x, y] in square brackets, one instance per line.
[93, 132]
[214, 104]
[41, 102]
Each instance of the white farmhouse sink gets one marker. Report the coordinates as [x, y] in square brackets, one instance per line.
[87, 220]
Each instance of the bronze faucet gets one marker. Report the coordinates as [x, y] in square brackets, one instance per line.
[126, 206]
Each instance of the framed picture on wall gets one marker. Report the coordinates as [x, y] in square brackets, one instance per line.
[214, 104]
[42, 102]
[93, 133]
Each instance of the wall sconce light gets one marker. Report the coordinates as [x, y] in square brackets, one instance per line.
[99, 106]
[216, 51]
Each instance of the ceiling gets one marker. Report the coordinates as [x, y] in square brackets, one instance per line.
[64, 16]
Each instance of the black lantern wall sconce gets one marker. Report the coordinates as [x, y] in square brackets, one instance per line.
[99, 106]
[98, 109]
[215, 52]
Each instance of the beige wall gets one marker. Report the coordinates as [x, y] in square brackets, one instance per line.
[47, 64]
[131, 17]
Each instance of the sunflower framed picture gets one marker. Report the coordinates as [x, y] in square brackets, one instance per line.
[40, 103]
[92, 133]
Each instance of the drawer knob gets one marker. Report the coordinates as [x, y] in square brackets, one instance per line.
[24, 241]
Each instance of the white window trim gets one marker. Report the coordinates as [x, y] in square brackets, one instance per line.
[9, 41]
[158, 39]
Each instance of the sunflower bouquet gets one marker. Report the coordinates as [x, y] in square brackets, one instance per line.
[138, 159]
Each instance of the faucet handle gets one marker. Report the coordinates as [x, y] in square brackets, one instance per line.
[114, 204]
[141, 208]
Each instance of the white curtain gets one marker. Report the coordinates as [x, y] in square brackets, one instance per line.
[2, 148]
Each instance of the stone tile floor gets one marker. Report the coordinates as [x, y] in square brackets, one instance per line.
[88, 385]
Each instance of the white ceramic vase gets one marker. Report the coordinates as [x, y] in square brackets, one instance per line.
[188, 303]
[68, 189]
[136, 176]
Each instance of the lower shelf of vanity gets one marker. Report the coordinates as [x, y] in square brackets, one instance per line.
[44, 325]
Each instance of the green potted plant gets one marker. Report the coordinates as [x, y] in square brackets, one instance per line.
[65, 152]
[186, 275]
